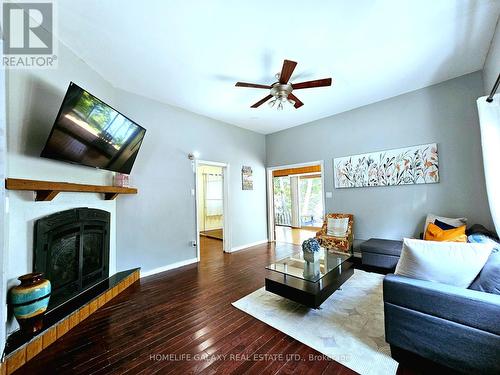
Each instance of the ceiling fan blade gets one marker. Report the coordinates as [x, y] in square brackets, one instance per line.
[287, 70]
[297, 101]
[262, 101]
[315, 83]
[254, 85]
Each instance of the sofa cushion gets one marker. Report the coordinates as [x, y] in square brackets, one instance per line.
[442, 225]
[480, 229]
[435, 233]
[488, 279]
[456, 222]
[381, 246]
[461, 347]
[482, 238]
[451, 263]
[464, 306]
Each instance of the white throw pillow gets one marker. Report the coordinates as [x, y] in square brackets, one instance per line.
[452, 263]
[337, 227]
[458, 222]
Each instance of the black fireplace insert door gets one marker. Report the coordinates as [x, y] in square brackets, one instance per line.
[72, 249]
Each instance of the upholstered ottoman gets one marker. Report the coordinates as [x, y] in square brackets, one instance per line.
[377, 252]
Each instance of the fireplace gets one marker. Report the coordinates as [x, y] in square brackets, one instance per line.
[72, 249]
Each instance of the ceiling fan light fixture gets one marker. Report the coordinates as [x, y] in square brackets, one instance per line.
[280, 90]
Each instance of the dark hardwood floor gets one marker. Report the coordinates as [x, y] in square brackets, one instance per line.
[182, 321]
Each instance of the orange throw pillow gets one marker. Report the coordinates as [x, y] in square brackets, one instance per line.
[434, 233]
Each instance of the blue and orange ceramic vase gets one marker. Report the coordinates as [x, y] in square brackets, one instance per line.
[29, 301]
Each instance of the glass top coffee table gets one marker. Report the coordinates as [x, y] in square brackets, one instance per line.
[309, 283]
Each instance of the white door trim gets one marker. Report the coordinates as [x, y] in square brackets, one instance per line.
[226, 242]
[4, 204]
[269, 190]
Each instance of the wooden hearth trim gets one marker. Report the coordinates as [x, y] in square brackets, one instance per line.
[47, 190]
[18, 358]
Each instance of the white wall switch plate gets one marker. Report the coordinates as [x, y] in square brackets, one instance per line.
[329, 194]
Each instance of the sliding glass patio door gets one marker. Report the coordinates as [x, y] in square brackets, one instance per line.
[310, 201]
[298, 201]
[282, 201]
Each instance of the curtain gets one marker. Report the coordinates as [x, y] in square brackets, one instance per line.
[489, 120]
[213, 194]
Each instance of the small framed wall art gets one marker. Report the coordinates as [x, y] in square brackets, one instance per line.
[246, 178]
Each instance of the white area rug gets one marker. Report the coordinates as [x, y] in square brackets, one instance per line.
[349, 326]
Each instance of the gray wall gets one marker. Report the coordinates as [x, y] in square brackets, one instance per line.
[33, 99]
[492, 64]
[445, 113]
[156, 226]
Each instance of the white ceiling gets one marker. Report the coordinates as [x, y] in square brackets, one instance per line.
[190, 53]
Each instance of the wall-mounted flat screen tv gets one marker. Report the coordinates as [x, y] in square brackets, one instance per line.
[89, 132]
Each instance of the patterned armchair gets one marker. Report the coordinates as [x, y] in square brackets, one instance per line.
[343, 244]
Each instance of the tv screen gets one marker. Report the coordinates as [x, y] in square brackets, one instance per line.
[89, 132]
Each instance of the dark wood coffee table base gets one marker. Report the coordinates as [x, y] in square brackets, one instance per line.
[311, 294]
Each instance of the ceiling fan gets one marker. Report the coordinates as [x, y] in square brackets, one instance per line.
[281, 91]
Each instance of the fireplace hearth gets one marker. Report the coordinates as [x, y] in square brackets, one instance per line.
[72, 249]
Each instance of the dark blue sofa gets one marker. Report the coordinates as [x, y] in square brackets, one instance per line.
[445, 325]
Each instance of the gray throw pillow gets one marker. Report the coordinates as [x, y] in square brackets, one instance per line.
[488, 279]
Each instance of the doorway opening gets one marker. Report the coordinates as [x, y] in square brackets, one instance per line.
[296, 202]
[211, 207]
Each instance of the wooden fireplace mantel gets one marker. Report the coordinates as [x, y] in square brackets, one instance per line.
[47, 190]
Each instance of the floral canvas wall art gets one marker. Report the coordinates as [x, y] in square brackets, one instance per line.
[402, 166]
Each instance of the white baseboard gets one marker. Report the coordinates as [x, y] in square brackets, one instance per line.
[169, 267]
[237, 248]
